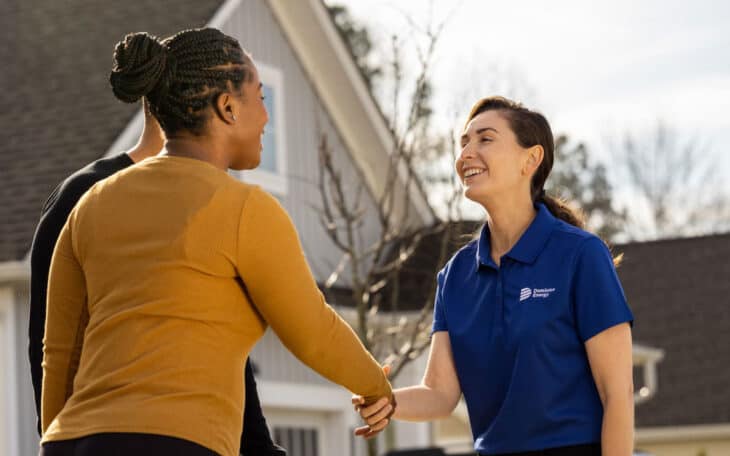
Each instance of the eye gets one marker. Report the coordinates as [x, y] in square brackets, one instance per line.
[485, 139]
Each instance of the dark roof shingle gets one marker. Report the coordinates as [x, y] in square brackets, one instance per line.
[57, 109]
[679, 291]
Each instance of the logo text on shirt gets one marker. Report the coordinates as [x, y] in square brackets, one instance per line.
[527, 293]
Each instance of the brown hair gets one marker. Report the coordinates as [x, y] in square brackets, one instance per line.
[531, 129]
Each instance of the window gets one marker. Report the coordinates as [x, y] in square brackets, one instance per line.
[298, 441]
[271, 172]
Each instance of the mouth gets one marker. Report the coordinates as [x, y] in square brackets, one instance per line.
[472, 172]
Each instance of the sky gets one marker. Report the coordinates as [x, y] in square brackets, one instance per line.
[595, 69]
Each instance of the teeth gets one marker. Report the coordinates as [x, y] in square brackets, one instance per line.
[473, 172]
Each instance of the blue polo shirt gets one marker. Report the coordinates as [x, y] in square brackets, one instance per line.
[517, 334]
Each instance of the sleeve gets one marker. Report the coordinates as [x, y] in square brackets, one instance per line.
[256, 439]
[278, 280]
[53, 217]
[439, 313]
[598, 298]
[66, 320]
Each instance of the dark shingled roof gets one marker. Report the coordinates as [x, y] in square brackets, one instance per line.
[679, 291]
[57, 110]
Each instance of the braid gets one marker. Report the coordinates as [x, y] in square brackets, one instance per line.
[139, 63]
[189, 71]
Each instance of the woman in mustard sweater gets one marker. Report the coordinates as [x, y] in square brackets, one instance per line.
[168, 272]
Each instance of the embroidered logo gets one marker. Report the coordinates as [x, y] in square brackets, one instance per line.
[525, 293]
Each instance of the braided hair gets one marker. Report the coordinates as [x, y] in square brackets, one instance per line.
[180, 76]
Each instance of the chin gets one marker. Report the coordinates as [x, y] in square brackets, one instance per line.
[474, 194]
[246, 162]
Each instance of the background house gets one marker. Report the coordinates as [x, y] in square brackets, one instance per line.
[58, 113]
[679, 290]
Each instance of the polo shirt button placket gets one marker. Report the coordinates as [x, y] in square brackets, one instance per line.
[501, 310]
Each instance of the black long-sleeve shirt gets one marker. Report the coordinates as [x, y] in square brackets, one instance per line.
[255, 438]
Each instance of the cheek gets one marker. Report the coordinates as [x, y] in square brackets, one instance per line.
[457, 167]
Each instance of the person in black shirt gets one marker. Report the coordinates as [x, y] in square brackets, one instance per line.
[255, 438]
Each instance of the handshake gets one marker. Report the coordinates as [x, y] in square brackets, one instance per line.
[376, 415]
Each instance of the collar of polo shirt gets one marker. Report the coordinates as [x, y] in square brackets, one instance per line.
[528, 247]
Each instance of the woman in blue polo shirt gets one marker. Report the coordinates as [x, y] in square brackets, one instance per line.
[530, 320]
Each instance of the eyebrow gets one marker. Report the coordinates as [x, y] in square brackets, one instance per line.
[479, 131]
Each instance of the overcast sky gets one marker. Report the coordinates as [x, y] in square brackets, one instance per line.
[594, 68]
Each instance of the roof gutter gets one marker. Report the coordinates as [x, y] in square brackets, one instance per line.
[667, 434]
[647, 357]
[14, 271]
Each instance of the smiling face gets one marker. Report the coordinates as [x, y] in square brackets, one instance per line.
[249, 128]
[492, 164]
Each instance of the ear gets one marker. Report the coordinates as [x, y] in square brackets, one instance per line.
[225, 108]
[535, 155]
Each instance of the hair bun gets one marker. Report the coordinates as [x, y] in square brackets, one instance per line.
[139, 64]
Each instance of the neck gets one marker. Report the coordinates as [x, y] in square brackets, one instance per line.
[199, 148]
[508, 220]
[149, 144]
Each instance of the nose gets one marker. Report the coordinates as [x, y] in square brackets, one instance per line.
[467, 153]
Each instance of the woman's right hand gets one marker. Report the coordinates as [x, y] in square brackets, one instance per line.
[377, 415]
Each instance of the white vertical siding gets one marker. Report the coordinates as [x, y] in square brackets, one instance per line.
[255, 26]
[26, 425]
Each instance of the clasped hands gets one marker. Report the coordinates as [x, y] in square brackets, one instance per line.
[376, 415]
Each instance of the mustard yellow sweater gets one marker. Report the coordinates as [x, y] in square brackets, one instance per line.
[162, 280]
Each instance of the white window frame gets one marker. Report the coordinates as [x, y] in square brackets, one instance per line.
[323, 407]
[9, 373]
[275, 183]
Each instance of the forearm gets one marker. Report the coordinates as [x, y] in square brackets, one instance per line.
[422, 403]
[273, 267]
[617, 436]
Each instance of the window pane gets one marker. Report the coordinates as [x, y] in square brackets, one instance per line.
[297, 441]
[268, 154]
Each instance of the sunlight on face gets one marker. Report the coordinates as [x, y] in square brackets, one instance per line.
[491, 161]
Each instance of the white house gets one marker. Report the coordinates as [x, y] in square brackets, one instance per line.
[59, 114]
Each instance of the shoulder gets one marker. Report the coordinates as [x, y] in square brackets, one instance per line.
[587, 254]
[258, 206]
[463, 259]
[569, 238]
[71, 189]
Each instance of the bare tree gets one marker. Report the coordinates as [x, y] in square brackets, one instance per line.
[380, 275]
[580, 180]
[675, 186]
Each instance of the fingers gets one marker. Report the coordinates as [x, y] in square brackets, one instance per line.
[377, 427]
[368, 432]
[386, 369]
[379, 416]
[367, 412]
[358, 400]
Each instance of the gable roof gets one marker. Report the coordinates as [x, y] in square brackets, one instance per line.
[58, 112]
[340, 84]
[679, 291]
